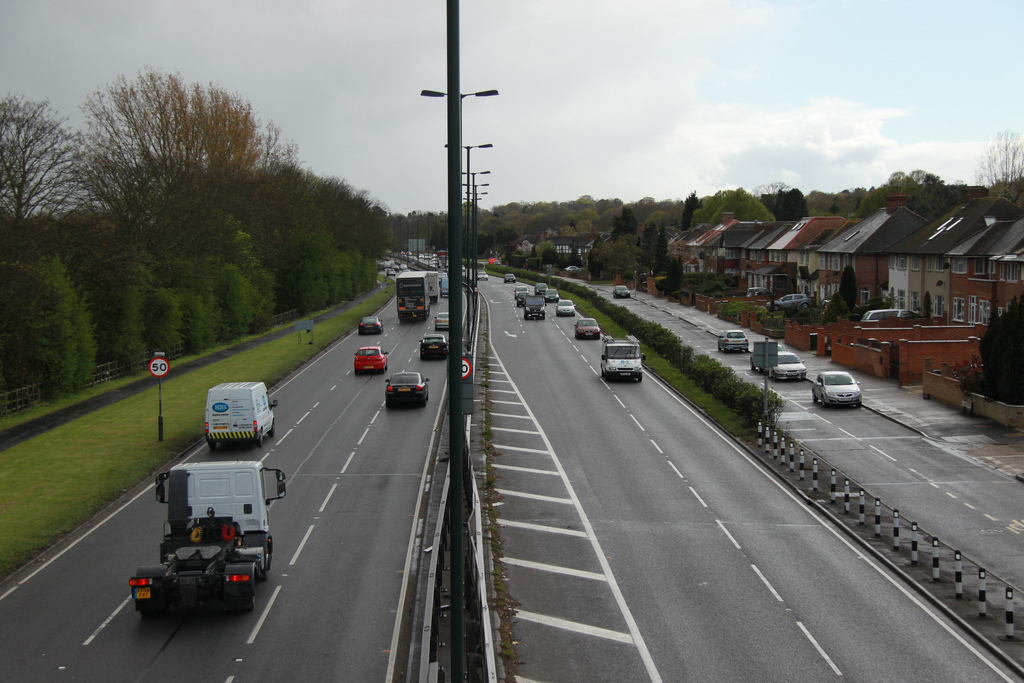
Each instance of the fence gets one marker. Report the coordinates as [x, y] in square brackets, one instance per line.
[16, 400]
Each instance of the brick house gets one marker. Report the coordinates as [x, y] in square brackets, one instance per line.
[984, 273]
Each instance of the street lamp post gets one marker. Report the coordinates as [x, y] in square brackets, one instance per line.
[472, 218]
[469, 204]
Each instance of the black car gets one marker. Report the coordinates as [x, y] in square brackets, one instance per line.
[551, 296]
[406, 387]
[371, 324]
[533, 307]
[433, 346]
[620, 292]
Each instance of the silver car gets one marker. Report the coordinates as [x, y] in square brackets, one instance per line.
[790, 367]
[836, 388]
[565, 307]
[733, 340]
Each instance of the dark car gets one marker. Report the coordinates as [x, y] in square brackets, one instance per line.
[371, 324]
[533, 307]
[510, 277]
[521, 292]
[433, 346]
[406, 387]
[551, 296]
[587, 328]
[620, 292]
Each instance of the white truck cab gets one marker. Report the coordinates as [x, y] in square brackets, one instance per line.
[621, 358]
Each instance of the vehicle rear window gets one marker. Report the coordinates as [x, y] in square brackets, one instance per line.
[368, 352]
[405, 378]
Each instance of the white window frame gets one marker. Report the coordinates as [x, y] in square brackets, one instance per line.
[958, 309]
[972, 309]
[984, 311]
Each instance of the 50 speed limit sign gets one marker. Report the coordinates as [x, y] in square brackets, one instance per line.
[158, 367]
[467, 368]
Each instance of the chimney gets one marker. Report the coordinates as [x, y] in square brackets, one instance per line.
[974, 192]
[727, 216]
[895, 201]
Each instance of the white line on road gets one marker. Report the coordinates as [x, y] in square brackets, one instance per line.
[278, 443]
[554, 569]
[303, 418]
[329, 494]
[521, 450]
[540, 527]
[819, 649]
[672, 465]
[883, 453]
[726, 532]
[350, 456]
[638, 423]
[108, 620]
[263, 617]
[765, 581]
[619, 400]
[360, 442]
[514, 431]
[534, 496]
[531, 470]
[694, 492]
[301, 545]
[656, 447]
[575, 626]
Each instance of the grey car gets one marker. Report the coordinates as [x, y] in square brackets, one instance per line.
[733, 340]
[789, 301]
[836, 388]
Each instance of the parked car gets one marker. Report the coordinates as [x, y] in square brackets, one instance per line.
[565, 307]
[757, 291]
[620, 292]
[884, 313]
[370, 359]
[572, 269]
[789, 301]
[836, 388]
[790, 367]
[510, 277]
[733, 340]
[551, 296]
[433, 345]
[371, 324]
[587, 328]
[441, 321]
[406, 387]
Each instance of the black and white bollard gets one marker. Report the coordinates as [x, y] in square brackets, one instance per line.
[767, 440]
[863, 500]
[760, 435]
[982, 594]
[1009, 613]
[782, 447]
[935, 559]
[958, 574]
[832, 491]
[913, 543]
[878, 517]
[803, 473]
[792, 456]
[895, 530]
[814, 475]
[846, 496]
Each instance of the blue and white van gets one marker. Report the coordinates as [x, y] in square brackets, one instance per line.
[238, 411]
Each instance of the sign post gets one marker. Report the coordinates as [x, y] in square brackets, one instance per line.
[158, 367]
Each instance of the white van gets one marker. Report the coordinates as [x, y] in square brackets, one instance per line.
[238, 411]
[621, 358]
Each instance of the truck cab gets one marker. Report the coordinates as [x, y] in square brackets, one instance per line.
[621, 358]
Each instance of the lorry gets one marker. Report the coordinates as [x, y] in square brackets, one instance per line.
[533, 307]
[413, 295]
[433, 285]
[238, 412]
[621, 358]
[216, 543]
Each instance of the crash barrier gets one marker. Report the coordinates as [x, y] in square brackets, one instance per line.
[967, 596]
[435, 646]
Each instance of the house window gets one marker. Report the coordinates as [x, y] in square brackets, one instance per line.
[901, 261]
[1009, 272]
[865, 294]
[901, 298]
[958, 309]
[915, 263]
[958, 265]
[984, 312]
[938, 305]
[915, 301]
[972, 309]
[980, 267]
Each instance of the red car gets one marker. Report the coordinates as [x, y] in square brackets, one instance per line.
[370, 359]
[587, 327]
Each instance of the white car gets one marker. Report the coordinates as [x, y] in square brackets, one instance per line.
[565, 307]
[790, 367]
[481, 275]
[441, 321]
[836, 388]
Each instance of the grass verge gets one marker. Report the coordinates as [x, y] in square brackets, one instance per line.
[58, 480]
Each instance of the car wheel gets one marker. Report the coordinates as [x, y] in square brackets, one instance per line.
[857, 404]
[639, 378]
[270, 433]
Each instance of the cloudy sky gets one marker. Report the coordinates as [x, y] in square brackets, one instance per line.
[610, 98]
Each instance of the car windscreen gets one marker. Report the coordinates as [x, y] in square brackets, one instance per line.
[838, 379]
[785, 358]
[623, 352]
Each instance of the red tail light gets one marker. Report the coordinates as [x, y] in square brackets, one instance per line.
[140, 582]
[254, 426]
[207, 427]
[238, 578]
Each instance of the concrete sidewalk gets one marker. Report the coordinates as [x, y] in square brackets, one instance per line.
[992, 444]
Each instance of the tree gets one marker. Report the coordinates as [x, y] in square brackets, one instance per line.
[624, 224]
[848, 287]
[1001, 350]
[790, 205]
[1001, 166]
[835, 310]
[743, 205]
[674, 277]
[927, 194]
[661, 251]
[597, 258]
[650, 247]
[37, 157]
[623, 254]
[690, 207]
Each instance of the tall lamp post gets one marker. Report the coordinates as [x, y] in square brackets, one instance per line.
[472, 217]
[456, 461]
[469, 206]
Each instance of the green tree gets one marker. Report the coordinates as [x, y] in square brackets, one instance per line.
[848, 286]
[835, 310]
[624, 224]
[690, 207]
[674, 278]
[1001, 350]
[661, 260]
[743, 205]
[597, 258]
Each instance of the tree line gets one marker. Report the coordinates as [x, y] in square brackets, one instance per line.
[175, 218]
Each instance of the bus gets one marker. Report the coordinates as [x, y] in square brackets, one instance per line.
[413, 296]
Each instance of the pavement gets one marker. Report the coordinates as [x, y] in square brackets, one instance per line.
[995, 445]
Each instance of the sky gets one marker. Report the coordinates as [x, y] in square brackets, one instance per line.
[614, 99]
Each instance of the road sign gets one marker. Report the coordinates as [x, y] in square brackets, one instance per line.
[158, 367]
[467, 368]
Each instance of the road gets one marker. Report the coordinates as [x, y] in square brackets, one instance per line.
[642, 544]
[343, 538]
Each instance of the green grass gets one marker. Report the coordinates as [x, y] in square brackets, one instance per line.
[54, 482]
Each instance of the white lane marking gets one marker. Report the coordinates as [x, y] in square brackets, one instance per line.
[328, 498]
[108, 620]
[656, 447]
[514, 431]
[521, 450]
[278, 442]
[531, 470]
[315, 405]
[374, 417]
[726, 532]
[301, 545]
[554, 569]
[334, 387]
[518, 417]
[638, 424]
[672, 465]
[765, 581]
[820, 650]
[619, 400]
[350, 456]
[576, 627]
[263, 617]
[697, 495]
[541, 527]
[365, 432]
[303, 418]
[534, 496]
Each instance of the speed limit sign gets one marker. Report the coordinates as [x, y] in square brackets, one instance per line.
[158, 367]
[467, 368]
